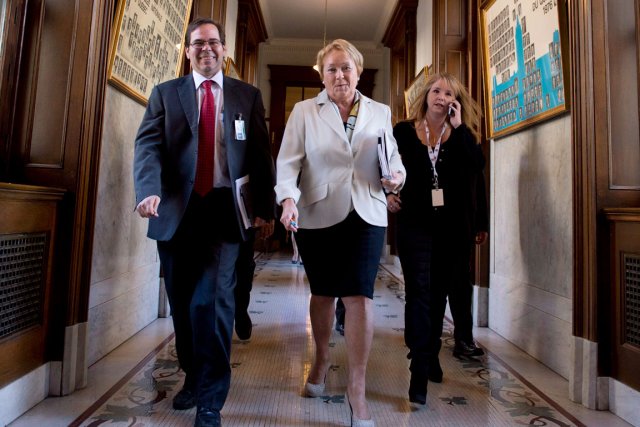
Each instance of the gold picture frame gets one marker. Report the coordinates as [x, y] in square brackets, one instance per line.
[525, 63]
[147, 45]
[412, 93]
[230, 69]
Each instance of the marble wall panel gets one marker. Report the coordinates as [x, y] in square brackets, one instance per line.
[19, 396]
[521, 314]
[531, 264]
[116, 320]
[125, 265]
[623, 401]
[119, 244]
[532, 206]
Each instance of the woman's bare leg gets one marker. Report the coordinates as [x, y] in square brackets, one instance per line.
[358, 333]
[321, 310]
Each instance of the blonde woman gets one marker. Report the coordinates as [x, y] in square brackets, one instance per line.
[338, 210]
[441, 214]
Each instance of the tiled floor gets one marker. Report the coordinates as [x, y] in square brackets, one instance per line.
[134, 385]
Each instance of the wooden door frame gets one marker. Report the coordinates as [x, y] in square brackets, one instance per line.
[250, 32]
[400, 38]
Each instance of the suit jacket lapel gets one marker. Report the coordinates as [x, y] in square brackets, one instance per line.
[189, 101]
[330, 116]
[230, 107]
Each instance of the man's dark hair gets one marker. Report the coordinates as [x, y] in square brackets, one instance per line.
[202, 21]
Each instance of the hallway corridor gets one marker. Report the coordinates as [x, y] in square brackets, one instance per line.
[134, 385]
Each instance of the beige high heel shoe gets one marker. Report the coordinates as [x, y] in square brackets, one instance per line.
[313, 390]
[357, 422]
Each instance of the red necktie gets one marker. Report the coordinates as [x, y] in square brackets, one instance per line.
[206, 141]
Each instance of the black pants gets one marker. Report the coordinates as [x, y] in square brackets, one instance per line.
[414, 250]
[245, 268]
[451, 278]
[199, 271]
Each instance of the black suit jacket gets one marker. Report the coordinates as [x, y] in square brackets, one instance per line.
[167, 143]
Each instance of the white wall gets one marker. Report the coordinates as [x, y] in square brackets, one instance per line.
[531, 262]
[231, 19]
[424, 35]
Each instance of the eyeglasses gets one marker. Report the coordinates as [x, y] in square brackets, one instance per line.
[213, 43]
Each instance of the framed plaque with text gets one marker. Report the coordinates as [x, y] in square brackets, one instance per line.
[525, 62]
[147, 46]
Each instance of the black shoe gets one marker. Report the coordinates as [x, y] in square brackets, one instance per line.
[467, 349]
[340, 328]
[185, 399]
[244, 327]
[435, 371]
[418, 389]
[207, 417]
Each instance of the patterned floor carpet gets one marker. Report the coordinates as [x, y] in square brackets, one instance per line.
[269, 371]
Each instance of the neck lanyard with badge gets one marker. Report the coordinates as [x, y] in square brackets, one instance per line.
[437, 195]
[241, 134]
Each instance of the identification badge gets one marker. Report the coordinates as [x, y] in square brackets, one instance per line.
[240, 132]
[437, 197]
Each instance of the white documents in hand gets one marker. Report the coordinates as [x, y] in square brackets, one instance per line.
[243, 198]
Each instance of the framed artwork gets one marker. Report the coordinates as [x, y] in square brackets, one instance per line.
[525, 66]
[412, 93]
[147, 46]
[230, 69]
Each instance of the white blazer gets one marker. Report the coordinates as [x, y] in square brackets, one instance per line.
[335, 175]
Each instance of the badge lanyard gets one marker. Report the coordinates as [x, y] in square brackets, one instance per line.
[437, 195]
[433, 152]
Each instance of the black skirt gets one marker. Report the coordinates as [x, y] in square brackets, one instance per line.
[342, 260]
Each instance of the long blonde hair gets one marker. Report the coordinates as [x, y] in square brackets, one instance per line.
[471, 111]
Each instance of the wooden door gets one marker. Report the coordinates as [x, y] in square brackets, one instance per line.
[618, 180]
[606, 140]
[400, 38]
[450, 38]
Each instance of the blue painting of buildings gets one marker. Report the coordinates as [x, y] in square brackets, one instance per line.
[530, 90]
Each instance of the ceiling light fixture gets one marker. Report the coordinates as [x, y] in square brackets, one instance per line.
[324, 35]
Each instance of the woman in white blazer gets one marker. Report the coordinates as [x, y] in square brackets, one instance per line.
[330, 187]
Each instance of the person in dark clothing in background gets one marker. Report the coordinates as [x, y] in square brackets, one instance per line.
[441, 214]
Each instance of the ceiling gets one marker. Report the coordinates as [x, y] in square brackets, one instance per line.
[353, 20]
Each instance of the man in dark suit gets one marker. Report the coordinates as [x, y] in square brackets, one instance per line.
[199, 134]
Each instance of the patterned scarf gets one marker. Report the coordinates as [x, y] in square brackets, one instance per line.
[350, 125]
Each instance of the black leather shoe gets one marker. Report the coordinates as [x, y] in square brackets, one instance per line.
[185, 399]
[244, 327]
[435, 371]
[467, 349]
[418, 389]
[207, 417]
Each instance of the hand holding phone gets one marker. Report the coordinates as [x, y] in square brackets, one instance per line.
[455, 119]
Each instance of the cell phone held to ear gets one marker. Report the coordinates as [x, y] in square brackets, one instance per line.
[451, 112]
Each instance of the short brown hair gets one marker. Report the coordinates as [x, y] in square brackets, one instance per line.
[202, 21]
